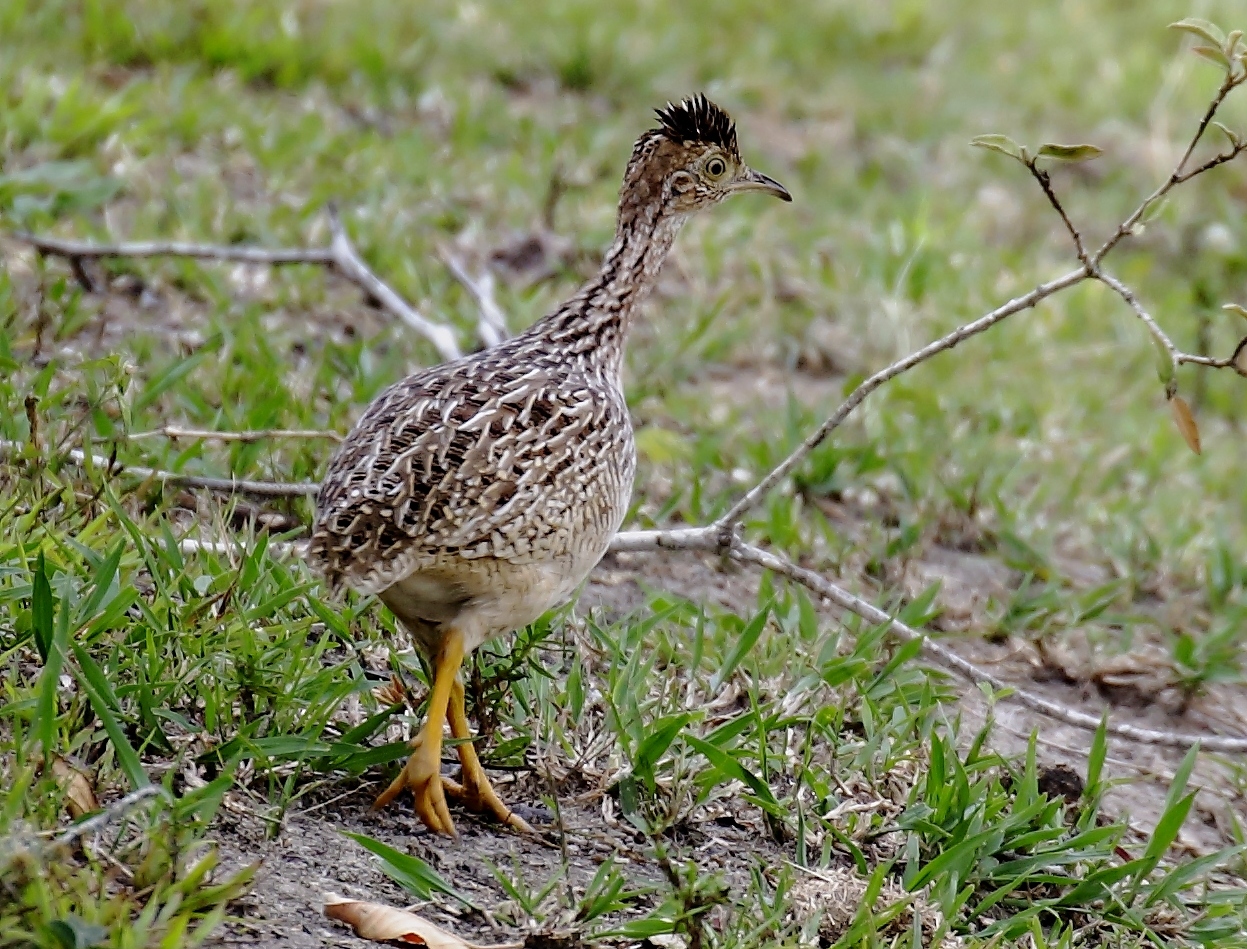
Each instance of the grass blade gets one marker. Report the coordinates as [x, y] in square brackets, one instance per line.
[95, 684]
[408, 871]
[54, 657]
[748, 636]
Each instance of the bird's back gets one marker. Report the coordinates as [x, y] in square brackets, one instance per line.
[517, 456]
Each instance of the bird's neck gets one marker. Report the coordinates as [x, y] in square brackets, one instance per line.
[595, 322]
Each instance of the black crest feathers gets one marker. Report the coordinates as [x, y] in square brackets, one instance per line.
[697, 119]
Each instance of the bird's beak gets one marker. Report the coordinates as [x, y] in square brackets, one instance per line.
[756, 181]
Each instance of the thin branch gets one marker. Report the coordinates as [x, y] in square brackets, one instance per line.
[352, 266]
[716, 538]
[1090, 268]
[1178, 176]
[950, 660]
[1213, 163]
[492, 325]
[1045, 182]
[113, 812]
[250, 435]
[270, 489]
[1146, 318]
[340, 255]
[859, 394]
[84, 250]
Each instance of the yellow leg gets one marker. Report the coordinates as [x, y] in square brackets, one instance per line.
[423, 772]
[476, 793]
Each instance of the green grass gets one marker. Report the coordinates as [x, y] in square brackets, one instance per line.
[1045, 445]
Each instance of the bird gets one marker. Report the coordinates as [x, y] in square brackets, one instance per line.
[473, 496]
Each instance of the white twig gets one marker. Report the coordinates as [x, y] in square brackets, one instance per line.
[1178, 176]
[714, 538]
[859, 394]
[351, 266]
[84, 250]
[113, 812]
[340, 255]
[950, 660]
[250, 435]
[492, 325]
[270, 489]
[1089, 269]
[1178, 356]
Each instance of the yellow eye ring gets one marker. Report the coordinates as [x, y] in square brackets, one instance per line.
[716, 167]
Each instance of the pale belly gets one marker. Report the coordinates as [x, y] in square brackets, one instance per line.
[489, 596]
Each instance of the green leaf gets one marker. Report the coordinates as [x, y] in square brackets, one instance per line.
[1228, 133]
[1071, 153]
[1166, 367]
[168, 378]
[728, 766]
[1201, 28]
[744, 642]
[1000, 143]
[1179, 877]
[103, 581]
[1095, 759]
[1180, 778]
[73, 932]
[408, 871]
[46, 704]
[656, 743]
[1214, 54]
[922, 609]
[42, 608]
[104, 702]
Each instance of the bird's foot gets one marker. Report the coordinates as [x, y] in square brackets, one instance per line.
[422, 775]
[478, 795]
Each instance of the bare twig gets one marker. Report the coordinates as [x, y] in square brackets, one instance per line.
[1153, 327]
[351, 266]
[1178, 176]
[1089, 269]
[250, 435]
[113, 812]
[492, 325]
[714, 538]
[950, 660]
[84, 250]
[1178, 356]
[340, 255]
[270, 489]
[859, 394]
[1045, 182]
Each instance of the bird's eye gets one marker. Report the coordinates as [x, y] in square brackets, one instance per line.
[716, 167]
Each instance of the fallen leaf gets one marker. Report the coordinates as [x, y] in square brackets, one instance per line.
[1186, 422]
[382, 923]
[79, 795]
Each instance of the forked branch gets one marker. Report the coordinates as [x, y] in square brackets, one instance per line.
[730, 543]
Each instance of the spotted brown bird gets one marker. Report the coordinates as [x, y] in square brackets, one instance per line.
[473, 496]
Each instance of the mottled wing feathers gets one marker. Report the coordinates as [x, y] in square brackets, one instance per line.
[491, 456]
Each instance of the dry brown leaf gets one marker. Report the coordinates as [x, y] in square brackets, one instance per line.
[382, 923]
[79, 795]
[1186, 422]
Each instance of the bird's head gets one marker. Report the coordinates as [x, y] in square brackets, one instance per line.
[690, 162]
